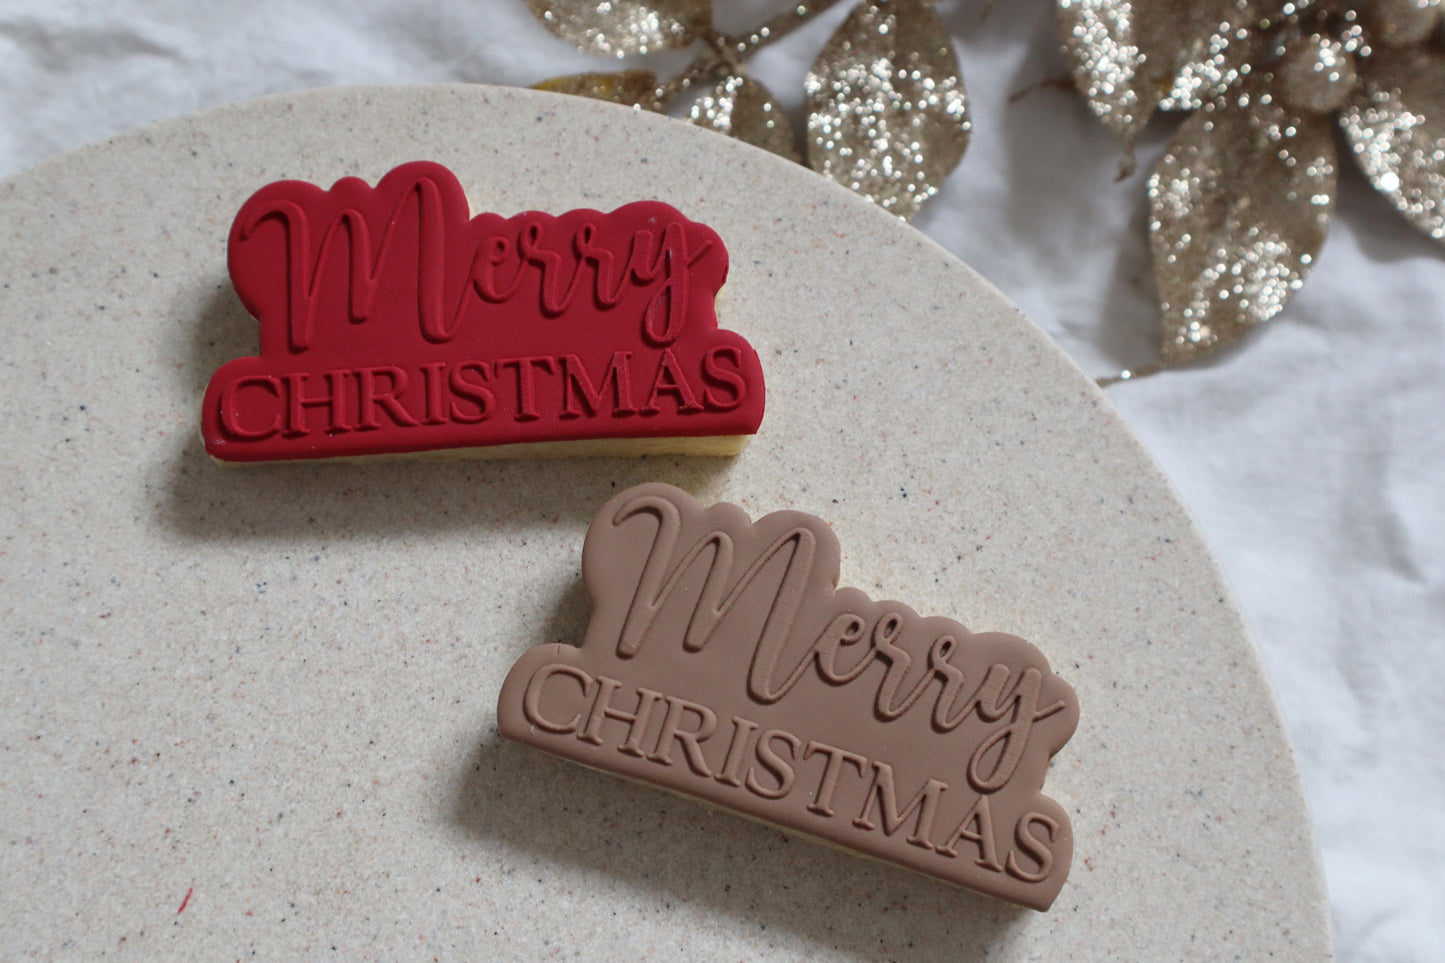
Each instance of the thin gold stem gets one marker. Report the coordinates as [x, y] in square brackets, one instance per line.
[731, 51]
[703, 66]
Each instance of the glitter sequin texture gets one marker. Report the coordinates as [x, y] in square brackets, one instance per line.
[1316, 73]
[1110, 68]
[1396, 126]
[1131, 56]
[1242, 199]
[1222, 39]
[618, 28]
[635, 88]
[1239, 207]
[888, 116]
[887, 112]
[744, 109]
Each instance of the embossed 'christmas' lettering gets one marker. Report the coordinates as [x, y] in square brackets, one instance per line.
[775, 764]
[465, 392]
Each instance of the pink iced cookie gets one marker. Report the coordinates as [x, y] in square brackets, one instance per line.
[722, 662]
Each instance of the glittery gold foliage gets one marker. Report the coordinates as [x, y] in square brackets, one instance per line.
[887, 113]
[1242, 198]
[634, 88]
[1239, 203]
[744, 109]
[616, 28]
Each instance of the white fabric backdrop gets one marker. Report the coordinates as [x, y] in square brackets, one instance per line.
[1313, 458]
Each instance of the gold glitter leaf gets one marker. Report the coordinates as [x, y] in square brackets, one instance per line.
[1132, 56]
[619, 28]
[634, 88]
[888, 116]
[1222, 39]
[1239, 206]
[745, 109]
[1118, 52]
[1396, 125]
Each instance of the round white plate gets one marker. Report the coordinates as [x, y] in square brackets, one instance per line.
[254, 710]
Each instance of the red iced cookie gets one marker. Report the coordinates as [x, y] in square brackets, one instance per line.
[391, 322]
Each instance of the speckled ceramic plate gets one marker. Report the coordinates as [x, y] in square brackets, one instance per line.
[253, 711]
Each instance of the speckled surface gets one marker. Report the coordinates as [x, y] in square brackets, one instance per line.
[268, 695]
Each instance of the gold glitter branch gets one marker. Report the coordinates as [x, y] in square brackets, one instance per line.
[887, 112]
[1242, 198]
[1240, 202]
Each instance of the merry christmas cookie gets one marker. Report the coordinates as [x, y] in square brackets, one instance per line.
[722, 662]
[392, 322]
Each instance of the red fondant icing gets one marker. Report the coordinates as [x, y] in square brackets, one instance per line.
[392, 322]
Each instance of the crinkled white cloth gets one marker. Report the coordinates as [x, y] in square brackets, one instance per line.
[1313, 458]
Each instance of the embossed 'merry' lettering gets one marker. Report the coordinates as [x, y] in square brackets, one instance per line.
[392, 322]
[722, 662]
